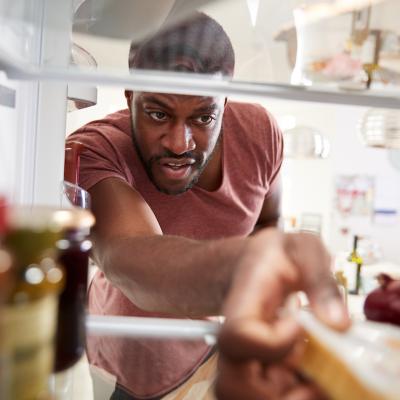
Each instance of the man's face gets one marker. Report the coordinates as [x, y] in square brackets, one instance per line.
[175, 136]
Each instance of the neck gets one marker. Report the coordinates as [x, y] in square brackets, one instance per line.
[211, 178]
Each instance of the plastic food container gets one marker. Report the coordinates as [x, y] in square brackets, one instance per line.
[360, 364]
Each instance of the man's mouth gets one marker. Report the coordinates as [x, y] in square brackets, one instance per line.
[176, 169]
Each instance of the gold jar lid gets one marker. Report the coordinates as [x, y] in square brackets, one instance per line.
[40, 218]
[34, 230]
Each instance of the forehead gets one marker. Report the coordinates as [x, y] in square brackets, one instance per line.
[174, 101]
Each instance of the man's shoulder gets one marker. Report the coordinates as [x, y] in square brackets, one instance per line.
[245, 110]
[252, 118]
[117, 123]
[252, 129]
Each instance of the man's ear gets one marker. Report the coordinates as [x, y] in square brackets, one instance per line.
[129, 96]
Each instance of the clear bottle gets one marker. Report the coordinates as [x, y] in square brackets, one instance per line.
[28, 319]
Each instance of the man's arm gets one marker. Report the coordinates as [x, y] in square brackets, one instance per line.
[158, 272]
[271, 210]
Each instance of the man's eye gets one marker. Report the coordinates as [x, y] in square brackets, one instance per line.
[158, 115]
[204, 119]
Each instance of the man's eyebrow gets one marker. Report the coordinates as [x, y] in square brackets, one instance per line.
[151, 99]
[207, 109]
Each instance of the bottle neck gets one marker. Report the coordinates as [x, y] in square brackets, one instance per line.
[355, 244]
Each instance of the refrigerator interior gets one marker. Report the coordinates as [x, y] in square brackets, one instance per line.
[37, 74]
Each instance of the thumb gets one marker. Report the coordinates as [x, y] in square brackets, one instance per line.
[328, 305]
[314, 262]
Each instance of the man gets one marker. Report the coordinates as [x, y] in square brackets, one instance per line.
[178, 185]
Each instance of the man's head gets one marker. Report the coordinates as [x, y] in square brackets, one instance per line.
[176, 135]
[198, 44]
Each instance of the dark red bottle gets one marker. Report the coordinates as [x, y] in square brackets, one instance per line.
[74, 250]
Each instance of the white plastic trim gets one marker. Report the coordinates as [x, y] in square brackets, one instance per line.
[156, 328]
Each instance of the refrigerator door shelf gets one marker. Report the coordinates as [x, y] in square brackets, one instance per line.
[7, 97]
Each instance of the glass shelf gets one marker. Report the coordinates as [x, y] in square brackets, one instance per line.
[170, 82]
[265, 37]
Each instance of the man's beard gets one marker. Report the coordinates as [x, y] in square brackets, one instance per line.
[199, 165]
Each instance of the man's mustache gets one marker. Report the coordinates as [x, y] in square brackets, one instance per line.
[169, 154]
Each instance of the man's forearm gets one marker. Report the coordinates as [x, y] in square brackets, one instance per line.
[172, 274]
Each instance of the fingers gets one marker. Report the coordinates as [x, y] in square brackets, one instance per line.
[305, 392]
[263, 280]
[250, 380]
[246, 338]
[257, 334]
[242, 380]
[310, 256]
[281, 377]
[256, 289]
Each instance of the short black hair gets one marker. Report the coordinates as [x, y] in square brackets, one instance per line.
[199, 38]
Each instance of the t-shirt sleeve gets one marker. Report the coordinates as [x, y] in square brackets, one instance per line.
[99, 159]
[274, 146]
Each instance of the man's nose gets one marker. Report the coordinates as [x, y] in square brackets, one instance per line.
[179, 139]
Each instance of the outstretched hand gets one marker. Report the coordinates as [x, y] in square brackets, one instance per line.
[259, 343]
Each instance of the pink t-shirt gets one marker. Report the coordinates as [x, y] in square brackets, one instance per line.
[252, 155]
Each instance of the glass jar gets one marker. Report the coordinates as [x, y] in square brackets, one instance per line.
[28, 318]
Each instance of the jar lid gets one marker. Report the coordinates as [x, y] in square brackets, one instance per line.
[39, 218]
[75, 218]
[33, 231]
